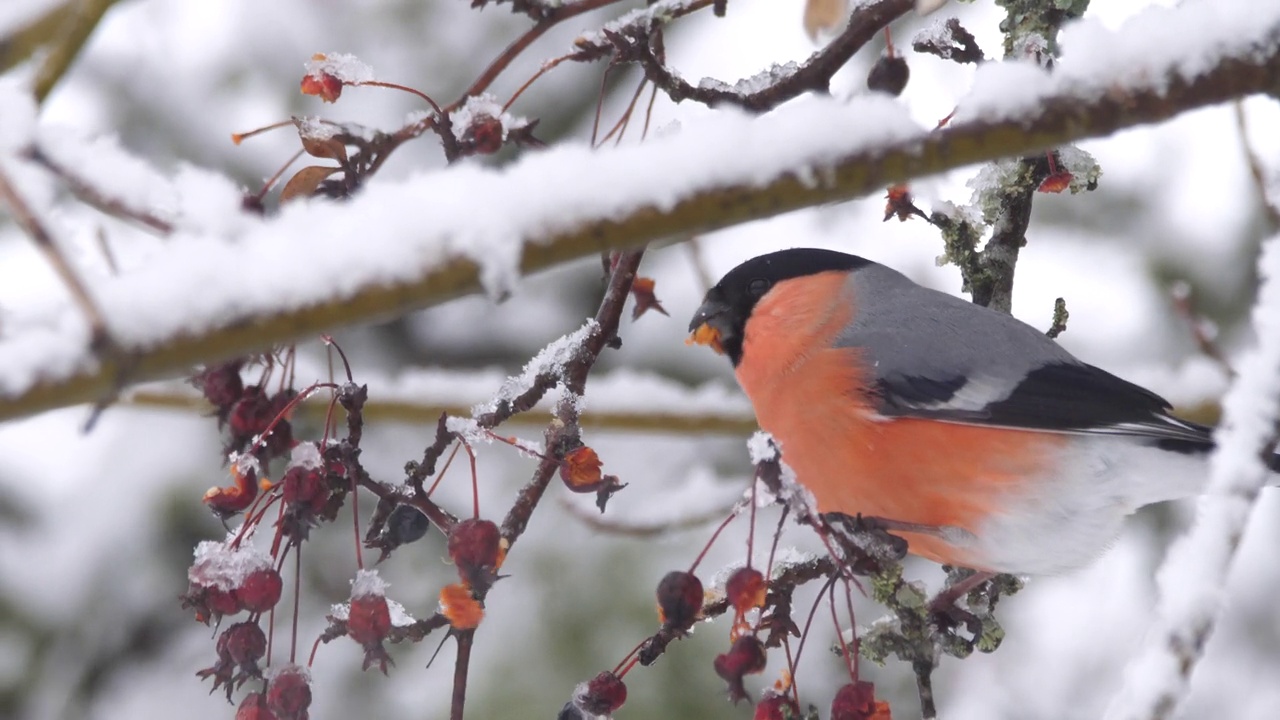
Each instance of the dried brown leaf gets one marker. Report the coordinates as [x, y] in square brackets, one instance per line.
[305, 182]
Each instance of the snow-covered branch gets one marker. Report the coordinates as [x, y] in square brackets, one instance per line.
[1192, 579]
[243, 284]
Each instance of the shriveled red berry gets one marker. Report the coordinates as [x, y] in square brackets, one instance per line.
[369, 620]
[777, 707]
[476, 547]
[251, 414]
[260, 590]
[305, 487]
[745, 657]
[244, 643]
[601, 695]
[220, 384]
[679, 599]
[289, 693]
[857, 701]
[486, 134]
[254, 707]
[581, 470]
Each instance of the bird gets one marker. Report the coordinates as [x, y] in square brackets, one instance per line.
[985, 443]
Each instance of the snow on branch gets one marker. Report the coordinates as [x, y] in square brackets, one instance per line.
[1192, 579]
[240, 286]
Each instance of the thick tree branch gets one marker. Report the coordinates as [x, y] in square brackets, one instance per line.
[1062, 116]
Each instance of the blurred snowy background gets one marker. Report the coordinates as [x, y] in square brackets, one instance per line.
[96, 530]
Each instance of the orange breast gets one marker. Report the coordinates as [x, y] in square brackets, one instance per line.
[813, 400]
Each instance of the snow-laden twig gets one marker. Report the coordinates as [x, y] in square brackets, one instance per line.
[1193, 576]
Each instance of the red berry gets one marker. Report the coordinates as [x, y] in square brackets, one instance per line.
[303, 486]
[486, 134]
[254, 707]
[260, 590]
[777, 707]
[857, 701]
[251, 414]
[679, 599]
[476, 548]
[745, 657]
[244, 643]
[289, 693]
[220, 384]
[221, 602]
[602, 694]
[745, 589]
[369, 620]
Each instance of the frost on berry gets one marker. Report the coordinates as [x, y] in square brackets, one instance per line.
[482, 126]
[306, 494]
[745, 657]
[289, 693]
[679, 599]
[777, 707]
[254, 707]
[219, 570]
[369, 618]
[601, 695]
[239, 648]
[327, 74]
[475, 546]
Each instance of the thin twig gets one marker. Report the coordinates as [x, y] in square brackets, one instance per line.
[100, 340]
[95, 197]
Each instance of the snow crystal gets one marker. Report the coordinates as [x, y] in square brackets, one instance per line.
[368, 582]
[483, 105]
[345, 67]
[762, 447]
[313, 128]
[467, 429]
[305, 455]
[935, 33]
[272, 673]
[399, 616]
[754, 84]
[549, 361]
[220, 565]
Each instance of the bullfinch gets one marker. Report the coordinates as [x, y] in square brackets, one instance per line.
[991, 445]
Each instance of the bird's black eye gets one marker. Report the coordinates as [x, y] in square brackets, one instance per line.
[758, 287]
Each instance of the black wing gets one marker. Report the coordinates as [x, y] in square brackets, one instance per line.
[1059, 397]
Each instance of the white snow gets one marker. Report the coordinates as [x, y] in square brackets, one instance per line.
[481, 106]
[366, 583]
[1194, 573]
[305, 455]
[218, 564]
[762, 448]
[1146, 49]
[343, 66]
[550, 360]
